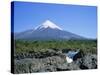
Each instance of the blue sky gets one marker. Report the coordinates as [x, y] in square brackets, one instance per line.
[81, 20]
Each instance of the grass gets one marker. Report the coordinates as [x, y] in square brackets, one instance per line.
[23, 46]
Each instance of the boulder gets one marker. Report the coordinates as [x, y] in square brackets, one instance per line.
[88, 61]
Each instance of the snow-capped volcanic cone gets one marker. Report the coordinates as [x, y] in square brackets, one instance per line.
[47, 31]
[48, 24]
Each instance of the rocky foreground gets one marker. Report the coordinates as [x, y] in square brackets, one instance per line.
[52, 60]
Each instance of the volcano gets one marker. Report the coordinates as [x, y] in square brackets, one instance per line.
[47, 31]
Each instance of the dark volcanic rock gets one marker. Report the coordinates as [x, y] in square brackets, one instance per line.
[52, 60]
[89, 61]
[40, 54]
[37, 65]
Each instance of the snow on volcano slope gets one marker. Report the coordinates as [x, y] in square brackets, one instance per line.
[48, 24]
